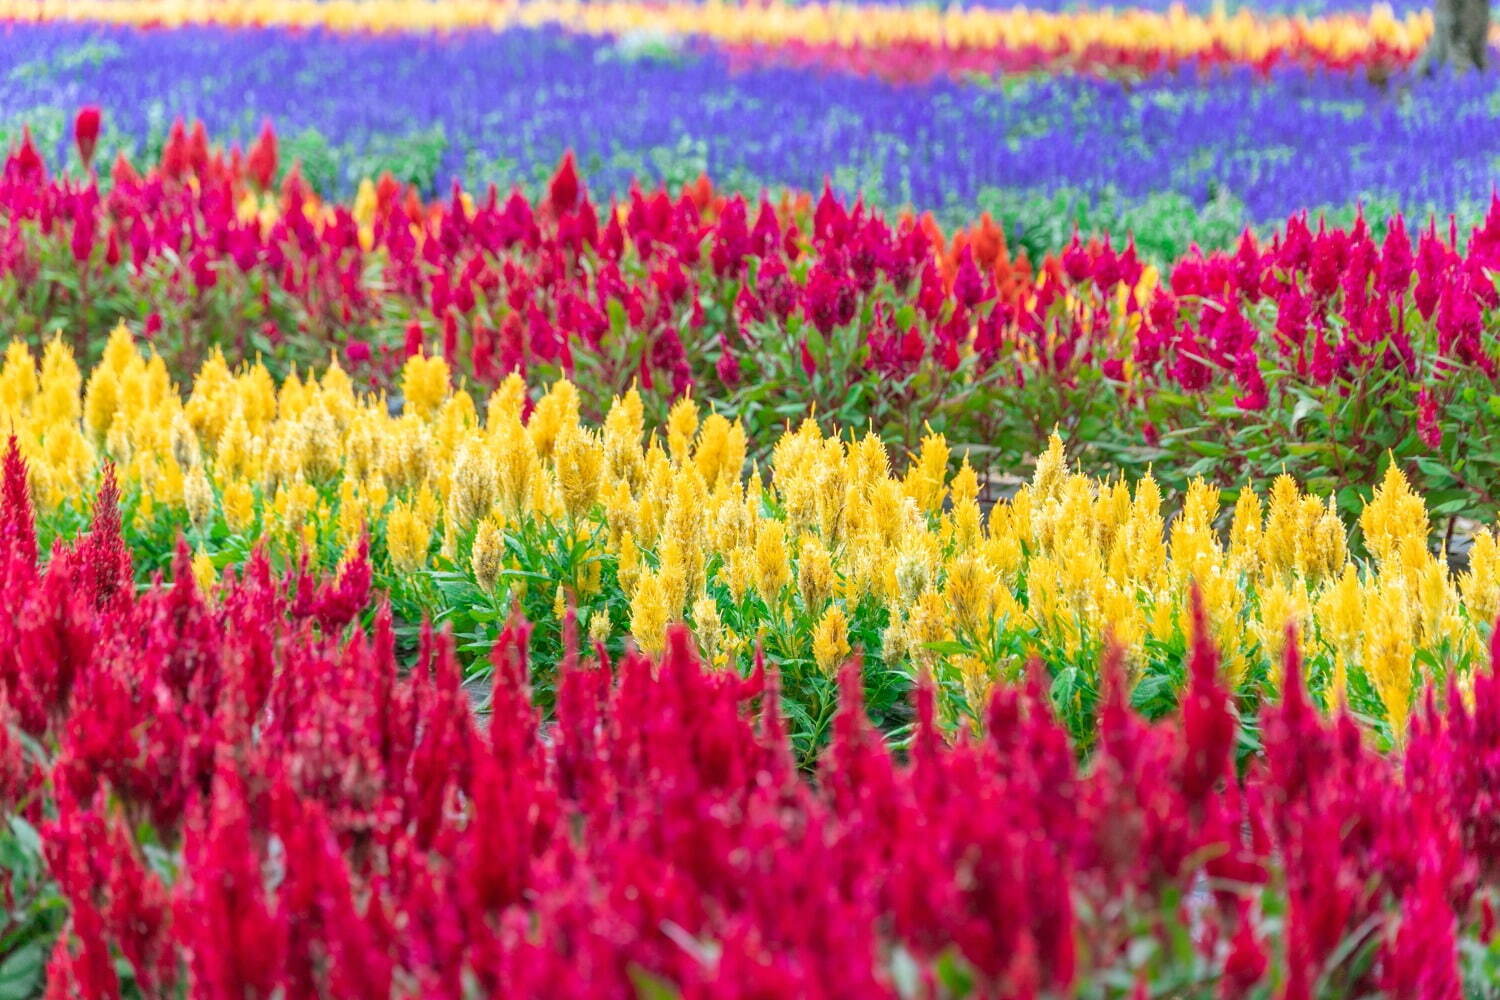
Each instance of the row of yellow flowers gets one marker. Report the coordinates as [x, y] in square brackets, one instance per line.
[1241, 35]
[828, 549]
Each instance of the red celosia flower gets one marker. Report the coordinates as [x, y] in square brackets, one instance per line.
[1247, 962]
[260, 164]
[563, 191]
[809, 365]
[86, 132]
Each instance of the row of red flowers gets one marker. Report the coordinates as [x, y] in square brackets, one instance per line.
[245, 794]
[910, 61]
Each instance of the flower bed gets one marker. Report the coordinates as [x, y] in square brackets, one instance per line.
[688, 513]
[1317, 351]
[830, 547]
[225, 793]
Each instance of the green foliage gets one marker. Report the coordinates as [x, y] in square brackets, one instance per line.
[34, 909]
[1164, 225]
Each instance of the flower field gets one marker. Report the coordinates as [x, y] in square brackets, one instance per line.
[783, 499]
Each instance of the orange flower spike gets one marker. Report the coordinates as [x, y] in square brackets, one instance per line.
[701, 191]
[415, 210]
[387, 192]
[935, 233]
[989, 242]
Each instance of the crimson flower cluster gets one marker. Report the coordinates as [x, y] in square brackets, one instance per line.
[667, 289]
[1325, 307]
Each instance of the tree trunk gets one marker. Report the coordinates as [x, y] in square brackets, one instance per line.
[1460, 35]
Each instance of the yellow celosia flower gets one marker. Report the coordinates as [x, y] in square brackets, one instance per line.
[1281, 605]
[579, 460]
[473, 487]
[424, 384]
[772, 571]
[682, 424]
[978, 678]
[928, 623]
[895, 642]
[101, 400]
[739, 572]
[649, 615]
[1480, 586]
[925, 482]
[18, 380]
[406, 539]
[204, 574]
[708, 626]
[554, 411]
[628, 570]
[488, 553]
[1394, 519]
[1388, 656]
[599, 627]
[676, 576]
[238, 502]
[720, 454]
[916, 564]
[831, 640]
[815, 578]
[198, 494]
[968, 588]
[57, 401]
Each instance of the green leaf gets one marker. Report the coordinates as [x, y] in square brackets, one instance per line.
[26, 836]
[954, 972]
[1432, 467]
[816, 345]
[1063, 686]
[617, 319]
[21, 972]
[649, 986]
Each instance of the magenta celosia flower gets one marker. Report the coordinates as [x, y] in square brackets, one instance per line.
[83, 237]
[1428, 427]
[728, 365]
[25, 164]
[1396, 263]
[1420, 958]
[1247, 372]
[829, 299]
[968, 284]
[1076, 261]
